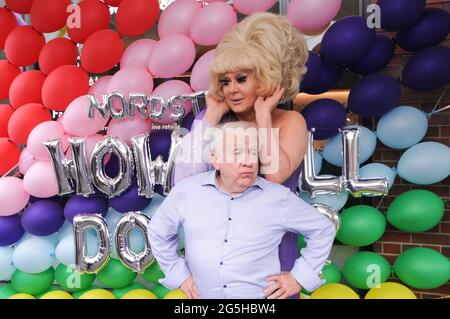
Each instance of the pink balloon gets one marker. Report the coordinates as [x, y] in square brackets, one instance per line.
[13, 197]
[26, 160]
[127, 128]
[100, 87]
[251, 6]
[42, 132]
[76, 120]
[137, 54]
[169, 88]
[212, 22]
[90, 144]
[200, 76]
[312, 15]
[172, 56]
[40, 180]
[131, 80]
[178, 18]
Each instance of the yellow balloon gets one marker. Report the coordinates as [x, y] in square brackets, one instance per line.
[390, 290]
[97, 294]
[21, 296]
[334, 291]
[57, 294]
[139, 294]
[176, 294]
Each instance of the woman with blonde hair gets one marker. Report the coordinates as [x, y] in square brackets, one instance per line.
[257, 65]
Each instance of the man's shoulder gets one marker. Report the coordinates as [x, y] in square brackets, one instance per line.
[273, 187]
[194, 180]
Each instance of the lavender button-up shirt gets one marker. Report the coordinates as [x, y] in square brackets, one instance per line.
[231, 242]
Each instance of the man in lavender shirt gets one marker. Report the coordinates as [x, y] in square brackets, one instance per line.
[233, 223]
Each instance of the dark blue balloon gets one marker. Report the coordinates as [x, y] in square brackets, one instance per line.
[11, 230]
[428, 69]
[159, 143]
[113, 166]
[326, 116]
[43, 218]
[330, 74]
[400, 14]
[430, 30]
[94, 204]
[347, 41]
[377, 58]
[314, 66]
[374, 95]
[129, 200]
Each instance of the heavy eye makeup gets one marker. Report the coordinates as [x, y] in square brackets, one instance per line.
[240, 78]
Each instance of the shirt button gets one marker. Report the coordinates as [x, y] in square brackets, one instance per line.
[226, 240]
[232, 198]
[229, 218]
[221, 263]
[224, 286]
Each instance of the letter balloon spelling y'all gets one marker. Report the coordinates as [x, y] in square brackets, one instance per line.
[91, 264]
[136, 262]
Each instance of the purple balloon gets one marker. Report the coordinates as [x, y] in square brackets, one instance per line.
[330, 74]
[347, 41]
[314, 65]
[160, 143]
[430, 30]
[428, 69]
[129, 200]
[326, 116]
[374, 95]
[11, 230]
[378, 57]
[55, 198]
[188, 120]
[400, 14]
[94, 204]
[113, 166]
[43, 218]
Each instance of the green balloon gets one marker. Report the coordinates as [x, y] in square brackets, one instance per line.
[116, 275]
[422, 268]
[6, 291]
[33, 284]
[160, 291]
[118, 293]
[301, 242]
[71, 280]
[78, 294]
[365, 270]
[331, 274]
[153, 273]
[361, 225]
[416, 211]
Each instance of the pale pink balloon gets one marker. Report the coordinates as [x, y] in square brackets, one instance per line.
[212, 22]
[137, 54]
[251, 6]
[312, 15]
[178, 18]
[40, 180]
[26, 160]
[127, 128]
[13, 197]
[131, 80]
[172, 56]
[90, 144]
[43, 132]
[76, 120]
[200, 75]
[169, 88]
[100, 87]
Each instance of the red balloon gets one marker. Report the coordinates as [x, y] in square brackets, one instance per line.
[19, 6]
[5, 113]
[102, 51]
[8, 73]
[63, 85]
[22, 46]
[26, 88]
[7, 23]
[25, 119]
[113, 3]
[94, 16]
[135, 17]
[57, 52]
[9, 155]
[49, 15]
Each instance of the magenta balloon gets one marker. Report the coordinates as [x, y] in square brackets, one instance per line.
[249, 7]
[200, 76]
[169, 88]
[13, 197]
[137, 54]
[312, 15]
[40, 180]
[178, 18]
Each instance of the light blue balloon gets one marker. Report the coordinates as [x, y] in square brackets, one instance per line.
[336, 201]
[180, 237]
[317, 162]
[7, 267]
[65, 230]
[402, 127]
[425, 163]
[332, 152]
[65, 251]
[34, 255]
[378, 170]
[154, 205]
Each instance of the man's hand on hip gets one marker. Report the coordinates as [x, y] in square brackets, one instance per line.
[190, 289]
[285, 286]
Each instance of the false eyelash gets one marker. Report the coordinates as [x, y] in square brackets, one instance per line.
[224, 81]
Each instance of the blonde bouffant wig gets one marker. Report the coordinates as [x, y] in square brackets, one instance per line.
[268, 45]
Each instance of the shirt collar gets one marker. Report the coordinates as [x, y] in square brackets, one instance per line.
[211, 180]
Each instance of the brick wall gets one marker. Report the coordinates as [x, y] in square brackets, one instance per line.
[394, 241]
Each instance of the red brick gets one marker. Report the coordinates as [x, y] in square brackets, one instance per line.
[396, 237]
[445, 131]
[424, 238]
[391, 248]
[390, 258]
[445, 290]
[437, 248]
[430, 296]
[445, 228]
[446, 251]
[377, 247]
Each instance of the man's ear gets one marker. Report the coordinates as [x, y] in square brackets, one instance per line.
[214, 160]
